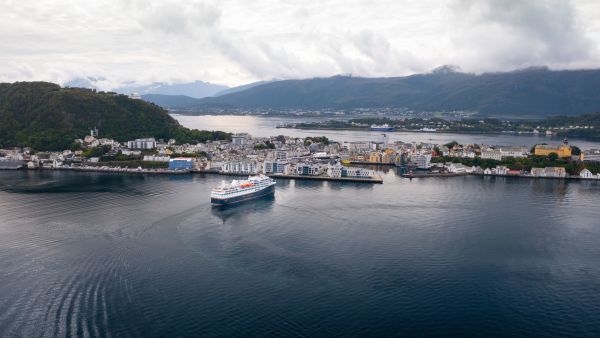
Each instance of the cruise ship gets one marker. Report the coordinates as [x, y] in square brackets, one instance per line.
[381, 127]
[242, 190]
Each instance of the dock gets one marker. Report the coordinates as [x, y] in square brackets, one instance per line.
[377, 180]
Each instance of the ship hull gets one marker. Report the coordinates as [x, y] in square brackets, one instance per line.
[383, 129]
[243, 198]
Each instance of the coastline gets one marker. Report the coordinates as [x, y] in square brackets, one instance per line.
[374, 180]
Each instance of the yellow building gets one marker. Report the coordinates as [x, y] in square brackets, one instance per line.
[375, 158]
[545, 149]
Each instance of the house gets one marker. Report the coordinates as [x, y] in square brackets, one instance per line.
[456, 168]
[585, 173]
[501, 170]
[549, 172]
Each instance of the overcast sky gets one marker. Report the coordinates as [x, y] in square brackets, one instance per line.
[235, 42]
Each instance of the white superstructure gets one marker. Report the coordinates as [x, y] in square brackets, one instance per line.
[240, 188]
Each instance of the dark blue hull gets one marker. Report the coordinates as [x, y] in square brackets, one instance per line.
[238, 199]
[383, 129]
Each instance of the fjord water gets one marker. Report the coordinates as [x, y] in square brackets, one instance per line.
[267, 126]
[105, 254]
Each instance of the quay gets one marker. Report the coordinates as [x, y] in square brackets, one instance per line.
[377, 180]
[327, 178]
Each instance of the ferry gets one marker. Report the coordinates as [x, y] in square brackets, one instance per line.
[242, 190]
[381, 127]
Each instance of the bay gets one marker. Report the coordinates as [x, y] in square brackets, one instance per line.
[92, 254]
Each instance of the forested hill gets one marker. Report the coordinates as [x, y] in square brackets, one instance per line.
[531, 92]
[45, 116]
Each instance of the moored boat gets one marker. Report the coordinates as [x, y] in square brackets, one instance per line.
[381, 127]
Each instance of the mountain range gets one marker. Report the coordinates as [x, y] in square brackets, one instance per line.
[196, 89]
[531, 92]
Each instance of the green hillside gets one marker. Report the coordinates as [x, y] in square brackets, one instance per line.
[45, 116]
[531, 92]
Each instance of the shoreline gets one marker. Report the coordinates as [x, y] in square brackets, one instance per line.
[442, 132]
[373, 180]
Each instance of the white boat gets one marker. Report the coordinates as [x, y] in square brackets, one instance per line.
[242, 190]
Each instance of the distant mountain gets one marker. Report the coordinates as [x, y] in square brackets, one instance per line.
[196, 89]
[45, 116]
[242, 88]
[171, 101]
[531, 92]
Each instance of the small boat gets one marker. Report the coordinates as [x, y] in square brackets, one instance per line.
[381, 127]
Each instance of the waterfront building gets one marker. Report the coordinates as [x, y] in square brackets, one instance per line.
[240, 167]
[181, 163]
[308, 169]
[585, 173]
[275, 167]
[338, 171]
[456, 168]
[142, 143]
[375, 157]
[421, 160]
[549, 172]
[562, 150]
[501, 170]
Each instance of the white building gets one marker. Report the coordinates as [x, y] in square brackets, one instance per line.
[308, 169]
[275, 167]
[241, 167]
[586, 174]
[142, 143]
[240, 139]
[338, 170]
[492, 155]
[421, 160]
[156, 158]
[456, 168]
[514, 152]
[548, 172]
[128, 152]
[592, 155]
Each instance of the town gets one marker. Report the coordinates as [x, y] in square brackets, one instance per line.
[310, 158]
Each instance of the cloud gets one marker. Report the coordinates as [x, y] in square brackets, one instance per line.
[235, 42]
[512, 33]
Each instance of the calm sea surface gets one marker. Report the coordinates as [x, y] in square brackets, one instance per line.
[266, 126]
[90, 254]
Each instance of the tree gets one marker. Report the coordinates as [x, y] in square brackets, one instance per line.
[575, 150]
[451, 144]
[553, 157]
